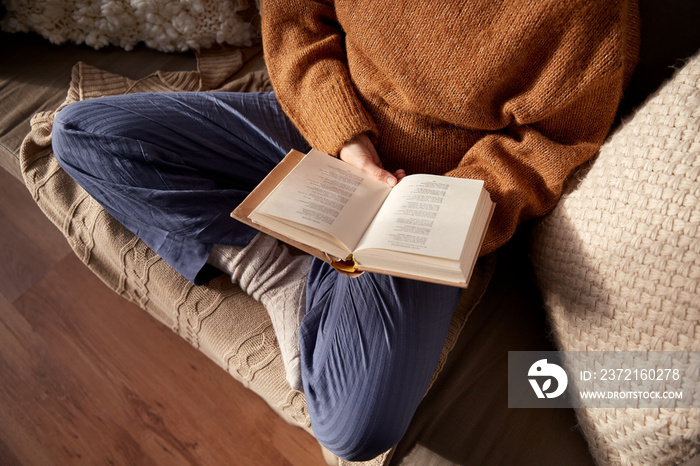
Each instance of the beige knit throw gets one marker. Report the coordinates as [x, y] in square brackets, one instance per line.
[619, 264]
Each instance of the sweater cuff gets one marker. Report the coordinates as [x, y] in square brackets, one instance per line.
[335, 117]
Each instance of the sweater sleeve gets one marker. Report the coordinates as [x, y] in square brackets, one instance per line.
[524, 167]
[305, 55]
[558, 122]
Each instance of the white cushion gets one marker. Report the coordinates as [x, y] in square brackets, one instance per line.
[618, 263]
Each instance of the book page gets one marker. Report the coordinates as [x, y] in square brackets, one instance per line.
[327, 194]
[425, 214]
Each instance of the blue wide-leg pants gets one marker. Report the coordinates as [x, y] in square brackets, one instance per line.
[171, 167]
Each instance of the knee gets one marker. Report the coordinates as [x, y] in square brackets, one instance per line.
[360, 438]
[357, 422]
[68, 133]
[91, 135]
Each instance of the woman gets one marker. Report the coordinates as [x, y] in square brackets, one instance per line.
[517, 93]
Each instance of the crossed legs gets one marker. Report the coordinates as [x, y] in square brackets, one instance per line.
[171, 167]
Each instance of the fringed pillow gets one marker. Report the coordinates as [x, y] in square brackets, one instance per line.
[163, 25]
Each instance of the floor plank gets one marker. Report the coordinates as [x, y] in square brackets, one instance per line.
[87, 377]
[30, 245]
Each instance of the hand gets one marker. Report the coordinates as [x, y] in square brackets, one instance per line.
[361, 153]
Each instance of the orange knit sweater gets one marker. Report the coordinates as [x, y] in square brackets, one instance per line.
[517, 93]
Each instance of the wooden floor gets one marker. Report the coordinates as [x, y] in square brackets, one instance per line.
[88, 378]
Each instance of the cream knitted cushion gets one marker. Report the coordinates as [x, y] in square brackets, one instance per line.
[618, 262]
[161, 24]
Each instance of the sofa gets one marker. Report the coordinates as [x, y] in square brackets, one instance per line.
[614, 267]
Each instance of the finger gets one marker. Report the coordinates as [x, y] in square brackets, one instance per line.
[400, 173]
[375, 158]
[368, 166]
[361, 153]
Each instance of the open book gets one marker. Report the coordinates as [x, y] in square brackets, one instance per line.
[427, 227]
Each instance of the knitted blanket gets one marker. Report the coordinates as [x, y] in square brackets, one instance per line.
[618, 262]
[218, 319]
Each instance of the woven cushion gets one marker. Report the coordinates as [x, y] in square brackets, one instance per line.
[618, 262]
